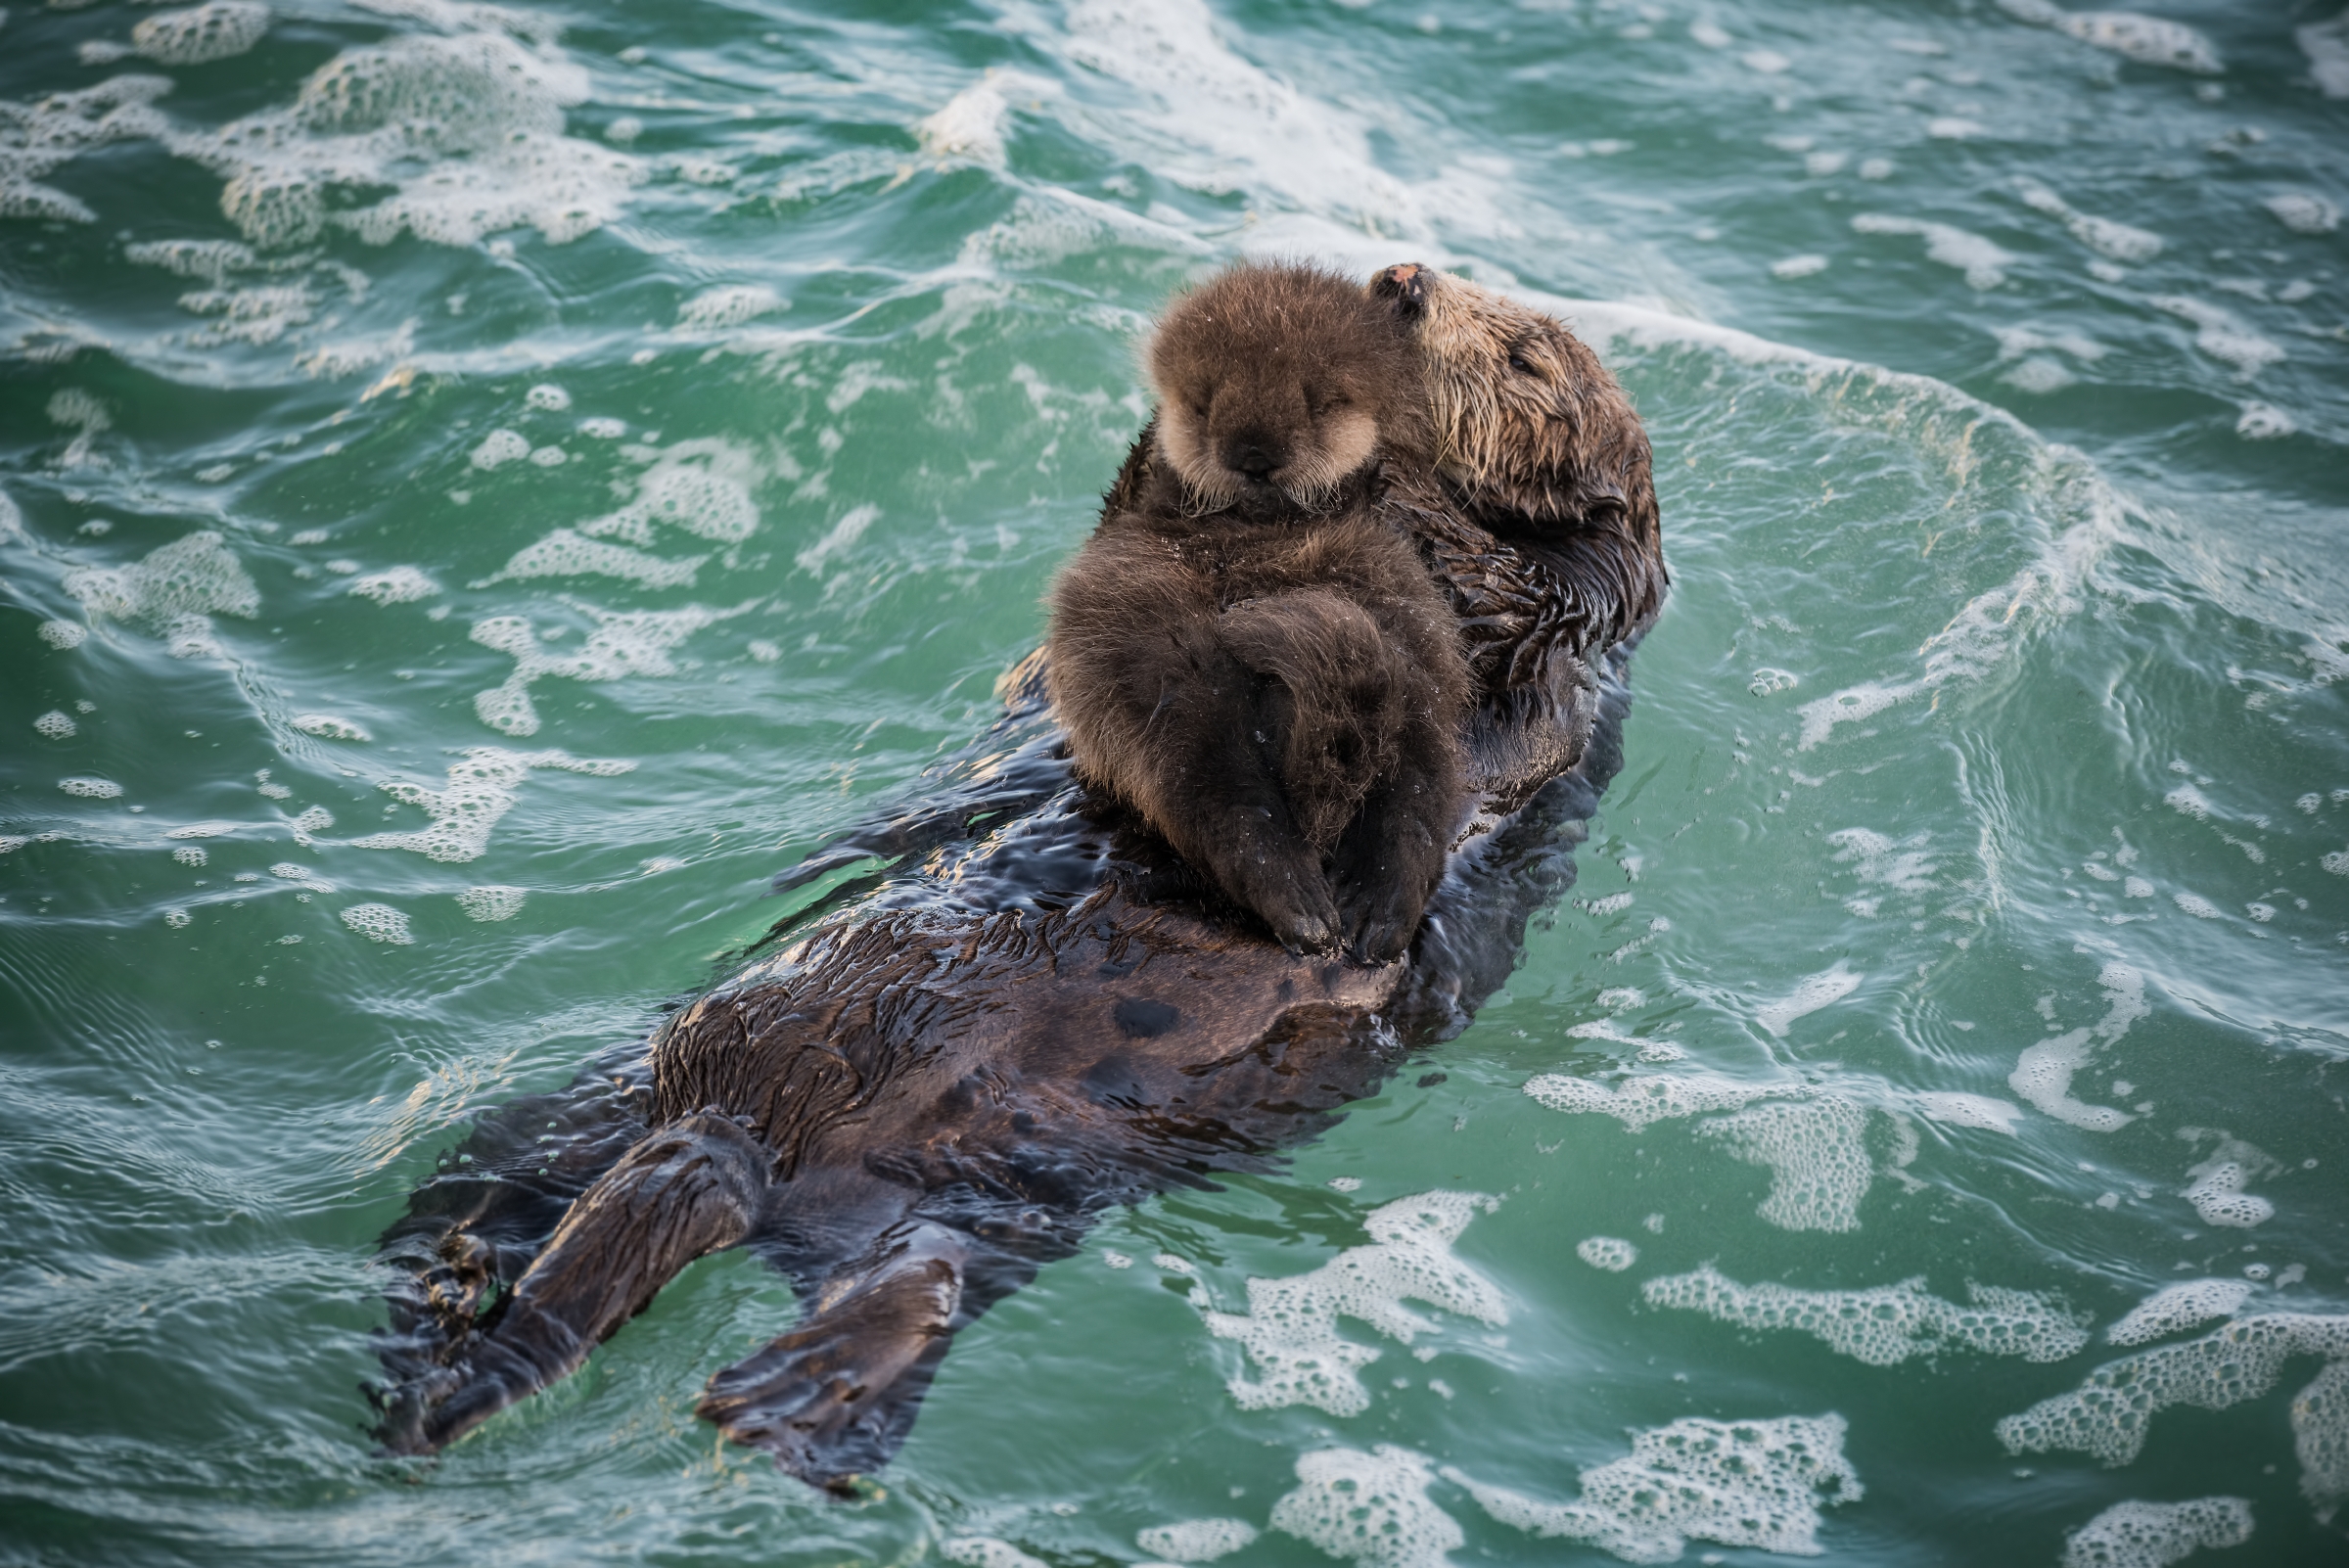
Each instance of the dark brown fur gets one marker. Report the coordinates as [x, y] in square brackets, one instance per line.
[1247, 652]
[1033, 1015]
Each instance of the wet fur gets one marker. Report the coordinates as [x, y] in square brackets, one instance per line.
[1032, 1012]
[1248, 652]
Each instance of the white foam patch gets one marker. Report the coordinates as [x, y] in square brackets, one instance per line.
[2264, 422]
[379, 922]
[56, 725]
[1610, 1252]
[2221, 334]
[625, 644]
[61, 635]
[401, 585]
[189, 854]
[2189, 1304]
[1848, 705]
[1817, 1159]
[55, 128]
[2150, 1535]
[1822, 990]
[2327, 46]
[1290, 1330]
[466, 129]
[1196, 1540]
[2217, 1190]
[1756, 1484]
[840, 536]
[2043, 1074]
[547, 398]
[491, 902]
[1799, 266]
[985, 1551]
[2305, 212]
[2193, 903]
[482, 787]
[200, 35]
[2147, 40]
[703, 487]
[326, 727]
[1369, 1506]
[970, 125]
[2117, 241]
[567, 554]
[1903, 866]
[203, 830]
[1641, 1100]
[1886, 1324]
[2109, 1414]
[91, 788]
[729, 305]
[173, 591]
[1984, 263]
[1957, 1109]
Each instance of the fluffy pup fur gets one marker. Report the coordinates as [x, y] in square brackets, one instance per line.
[1247, 651]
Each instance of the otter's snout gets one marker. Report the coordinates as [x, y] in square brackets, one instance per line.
[1254, 453]
[1404, 286]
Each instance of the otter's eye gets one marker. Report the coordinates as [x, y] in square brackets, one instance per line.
[1519, 363]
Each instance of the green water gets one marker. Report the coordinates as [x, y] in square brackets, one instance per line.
[1999, 708]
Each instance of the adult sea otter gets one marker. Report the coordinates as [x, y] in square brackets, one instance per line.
[927, 1086]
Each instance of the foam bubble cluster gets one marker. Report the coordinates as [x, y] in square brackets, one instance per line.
[1196, 1540]
[2217, 1192]
[1969, 1110]
[58, 128]
[2150, 1534]
[2189, 1304]
[200, 35]
[1372, 1508]
[482, 787]
[1639, 1101]
[1816, 1155]
[729, 305]
[91, 788]
[1739, 1483]
[985, 1551]
[632, 643]
[379, 922]
[2107, 1416]
[1887, 1324]
[1290, 1329]
[56, 725]
[465, 129]
[1984, 263]
[2117, 241]
[173, 591]
[1607, 1252]
[2043, 1074]
[61, 635]
[703, 487]
[492, 904]
[401, 585]
[326, 727]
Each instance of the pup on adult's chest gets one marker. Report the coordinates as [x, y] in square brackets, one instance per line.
[1246, 651]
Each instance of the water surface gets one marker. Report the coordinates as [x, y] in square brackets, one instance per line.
[489, 485]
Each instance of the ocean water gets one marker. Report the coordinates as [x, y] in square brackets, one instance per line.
[489, 485]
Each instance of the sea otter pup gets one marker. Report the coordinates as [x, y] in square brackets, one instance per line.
[1247, 652]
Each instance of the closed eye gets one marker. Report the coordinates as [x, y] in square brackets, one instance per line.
[1520, 363]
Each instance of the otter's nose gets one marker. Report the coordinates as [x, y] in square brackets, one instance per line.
[1251, 457]
[1404, 286]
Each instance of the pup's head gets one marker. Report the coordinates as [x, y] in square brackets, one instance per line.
[1278, 384]
[1526, 421]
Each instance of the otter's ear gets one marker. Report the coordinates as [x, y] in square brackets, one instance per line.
[1404, 287]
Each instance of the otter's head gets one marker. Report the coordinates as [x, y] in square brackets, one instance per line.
[1276, 383]
[1526, 421]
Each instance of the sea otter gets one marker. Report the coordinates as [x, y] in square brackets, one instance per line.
[939, 1072]
[1247, 652]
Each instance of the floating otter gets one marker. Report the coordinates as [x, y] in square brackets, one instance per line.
[945, 1069]
[1247, 652]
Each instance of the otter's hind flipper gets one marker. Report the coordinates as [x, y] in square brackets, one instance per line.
[693, 1187]
[834, 1398]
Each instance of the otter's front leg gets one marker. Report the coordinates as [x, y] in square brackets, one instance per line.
[1223, 807]
[1392, 853]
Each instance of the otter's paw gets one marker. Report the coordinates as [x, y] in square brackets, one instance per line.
[1287, 891]
[833, 1399]
[1382, 919]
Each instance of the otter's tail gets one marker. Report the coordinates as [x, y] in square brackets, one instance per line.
[693, 1187]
